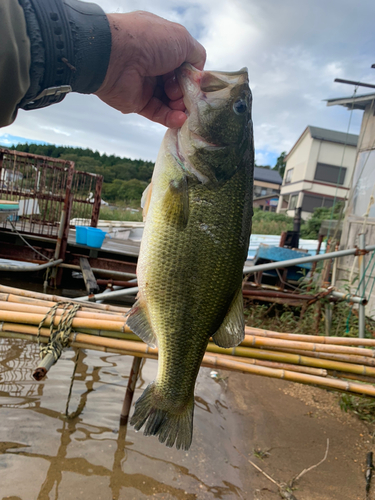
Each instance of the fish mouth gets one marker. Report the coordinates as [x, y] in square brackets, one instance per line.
[205, 85]
[189, 79]
[194, 85]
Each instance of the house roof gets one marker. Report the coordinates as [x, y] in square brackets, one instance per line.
[324, 134]
[357, 102]
[267, 175]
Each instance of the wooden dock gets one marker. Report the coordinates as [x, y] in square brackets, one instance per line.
[117, 257]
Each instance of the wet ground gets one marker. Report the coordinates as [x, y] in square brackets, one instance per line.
[282, 427]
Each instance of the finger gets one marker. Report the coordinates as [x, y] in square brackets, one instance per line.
[196, 55]
[176, 119]
[172, 89]
[167, 76]
[177, 105]
[159, 112]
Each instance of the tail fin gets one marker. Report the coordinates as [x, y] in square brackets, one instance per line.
[171, 427]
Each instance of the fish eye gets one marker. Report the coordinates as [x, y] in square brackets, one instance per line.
[240, 107]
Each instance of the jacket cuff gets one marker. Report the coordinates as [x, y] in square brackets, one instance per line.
[70, 49]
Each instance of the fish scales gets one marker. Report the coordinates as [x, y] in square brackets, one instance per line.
[194, 245]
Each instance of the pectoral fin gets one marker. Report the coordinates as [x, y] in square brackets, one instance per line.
[176, 203]
[232, 330]
[146, 199]
[138, 323]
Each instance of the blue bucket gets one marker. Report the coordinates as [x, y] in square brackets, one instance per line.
[95, 237]
[81, 235]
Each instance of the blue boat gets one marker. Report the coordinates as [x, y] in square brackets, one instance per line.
[267, 254]
[274, 241]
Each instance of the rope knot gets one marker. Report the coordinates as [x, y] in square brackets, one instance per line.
[59, 337]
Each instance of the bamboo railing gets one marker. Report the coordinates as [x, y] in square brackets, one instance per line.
[342, 364]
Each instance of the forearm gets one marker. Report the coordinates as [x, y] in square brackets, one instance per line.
[69, 44]
[51, 47]
[14, 59]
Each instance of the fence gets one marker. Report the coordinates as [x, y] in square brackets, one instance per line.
[45, 190]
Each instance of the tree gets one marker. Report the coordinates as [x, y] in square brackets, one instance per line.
[310, 229]
[281, 163]
[124, 179]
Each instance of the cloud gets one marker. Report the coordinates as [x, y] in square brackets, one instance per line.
[294, 50]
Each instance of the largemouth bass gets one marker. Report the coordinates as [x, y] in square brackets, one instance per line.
[198, 212]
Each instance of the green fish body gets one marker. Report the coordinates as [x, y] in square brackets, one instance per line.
[198, 212]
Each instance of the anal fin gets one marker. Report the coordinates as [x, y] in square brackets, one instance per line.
[232, 330]
[138, 323]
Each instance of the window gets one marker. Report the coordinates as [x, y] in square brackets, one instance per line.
[273, 209]
[288, 176]
[293, 201]
[263, 192]
[328, 202]
[310, 202]
[267, 208]
[330, 173]
[261, 207]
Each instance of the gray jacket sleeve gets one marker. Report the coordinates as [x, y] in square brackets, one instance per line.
[15, 59]
[49, 48]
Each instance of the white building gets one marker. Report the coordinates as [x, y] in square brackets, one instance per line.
[360, 212]
[319, 169]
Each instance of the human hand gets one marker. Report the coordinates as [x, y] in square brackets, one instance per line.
[146, 49]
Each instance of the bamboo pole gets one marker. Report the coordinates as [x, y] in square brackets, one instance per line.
[229, 364]
[126, 334]
[296, 359]
[19, 299]
[101, 322]
[141, 348]
[12, 294]
[309, 338]
[239, 351]
[11, 328]
[365, 389]
[346, 358]
[282, 366]
[81, 345]
[27, 308]
[253, 341]
[351, 376]
[56, 298]
[35, 319]
[6, 310]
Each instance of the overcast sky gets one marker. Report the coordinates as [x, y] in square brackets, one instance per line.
[294, 49]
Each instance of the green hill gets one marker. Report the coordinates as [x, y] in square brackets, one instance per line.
[124, 179]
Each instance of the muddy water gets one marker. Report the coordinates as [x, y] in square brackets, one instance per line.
[45, 455]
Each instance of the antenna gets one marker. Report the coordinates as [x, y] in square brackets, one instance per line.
[357, 84]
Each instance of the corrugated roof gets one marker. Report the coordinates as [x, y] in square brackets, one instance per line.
[324, 134]
[357, 102]
[267, 175]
